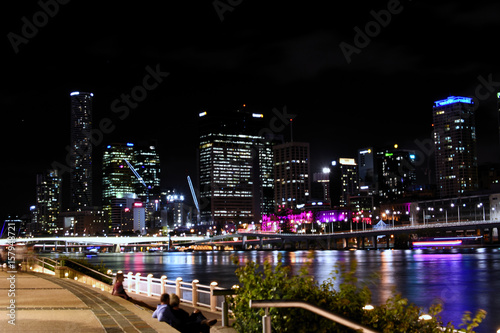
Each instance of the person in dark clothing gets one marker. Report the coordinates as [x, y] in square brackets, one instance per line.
[186, 323]
[119, 291]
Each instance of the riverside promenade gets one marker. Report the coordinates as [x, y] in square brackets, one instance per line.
[44, 303]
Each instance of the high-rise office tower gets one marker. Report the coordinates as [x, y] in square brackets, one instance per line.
[367, 172]
[235, 167]
[320, 186]
[117, 178]
[130, 172]
[455, 142]
[291, 171]
[81, 150]
[344, 181]
[48, 200]
[148, 167]
[396, 172]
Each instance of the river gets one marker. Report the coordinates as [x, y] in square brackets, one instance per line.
[465, 281]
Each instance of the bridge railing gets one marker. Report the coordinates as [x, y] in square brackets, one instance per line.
[192, 293]
[388, 227]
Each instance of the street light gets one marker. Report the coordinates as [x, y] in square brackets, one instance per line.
[458, 209]
[446, 214]
[479, 206]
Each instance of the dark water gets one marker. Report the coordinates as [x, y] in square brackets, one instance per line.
[460, 281]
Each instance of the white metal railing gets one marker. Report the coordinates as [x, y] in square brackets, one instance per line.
[189, 292]
[266, 319]
[43, 262]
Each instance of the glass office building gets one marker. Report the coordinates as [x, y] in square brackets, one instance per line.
[235, 168]
[455, 143]
[81, 150]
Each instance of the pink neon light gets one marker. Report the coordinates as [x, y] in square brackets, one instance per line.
[438, 243]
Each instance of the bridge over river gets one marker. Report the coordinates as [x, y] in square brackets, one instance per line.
[486, 232]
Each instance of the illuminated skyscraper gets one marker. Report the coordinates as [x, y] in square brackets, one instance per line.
[344, 181]
[148, 167]
[367, 172]
[123, 182]
[117, 178]
[81, 150]
[235, 168]
[396, 172]
[291, 170]
[455, 142]
[48, 200]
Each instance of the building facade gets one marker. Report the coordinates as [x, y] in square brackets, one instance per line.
[396, 172]
[81, 150]
[344, 181]
[291, 171]
[455, 143]
[235, 168]
[117, 178]
[48, 201]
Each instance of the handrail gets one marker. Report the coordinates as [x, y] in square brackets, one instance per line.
[304, 305]
[107, 277]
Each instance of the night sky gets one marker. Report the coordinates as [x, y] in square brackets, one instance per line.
[221, 54]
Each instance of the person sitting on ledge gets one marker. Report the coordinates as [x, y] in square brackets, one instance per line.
[185, 323]
[118, 290]
[162, 311]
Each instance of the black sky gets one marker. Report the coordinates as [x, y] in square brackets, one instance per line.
[267, 55]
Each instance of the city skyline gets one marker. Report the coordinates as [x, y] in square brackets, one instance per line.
[174, 67]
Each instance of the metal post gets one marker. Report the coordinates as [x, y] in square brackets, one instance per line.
[137, 282]
[225, 313]
[162, 284]
[266, 322]
[194, 287]
[150, 282]
[213, 299]
[178, 290]
[129, 281]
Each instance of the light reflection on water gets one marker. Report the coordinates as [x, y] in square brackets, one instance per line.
[460, 281]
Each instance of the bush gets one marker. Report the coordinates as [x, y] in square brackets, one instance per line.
[266, 283]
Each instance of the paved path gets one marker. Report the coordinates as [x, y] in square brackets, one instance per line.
[44, 303]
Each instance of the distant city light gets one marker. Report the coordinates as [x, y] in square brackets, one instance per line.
[326, 170]
[202, 114]
[130, 144]
[74, 93]
[257, 115]
[453, 99]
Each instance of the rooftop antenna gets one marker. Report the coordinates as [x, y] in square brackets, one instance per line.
[291, 129]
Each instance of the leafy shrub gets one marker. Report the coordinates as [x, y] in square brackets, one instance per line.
[348, 300]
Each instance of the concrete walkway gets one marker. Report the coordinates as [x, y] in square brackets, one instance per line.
[38, 302]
